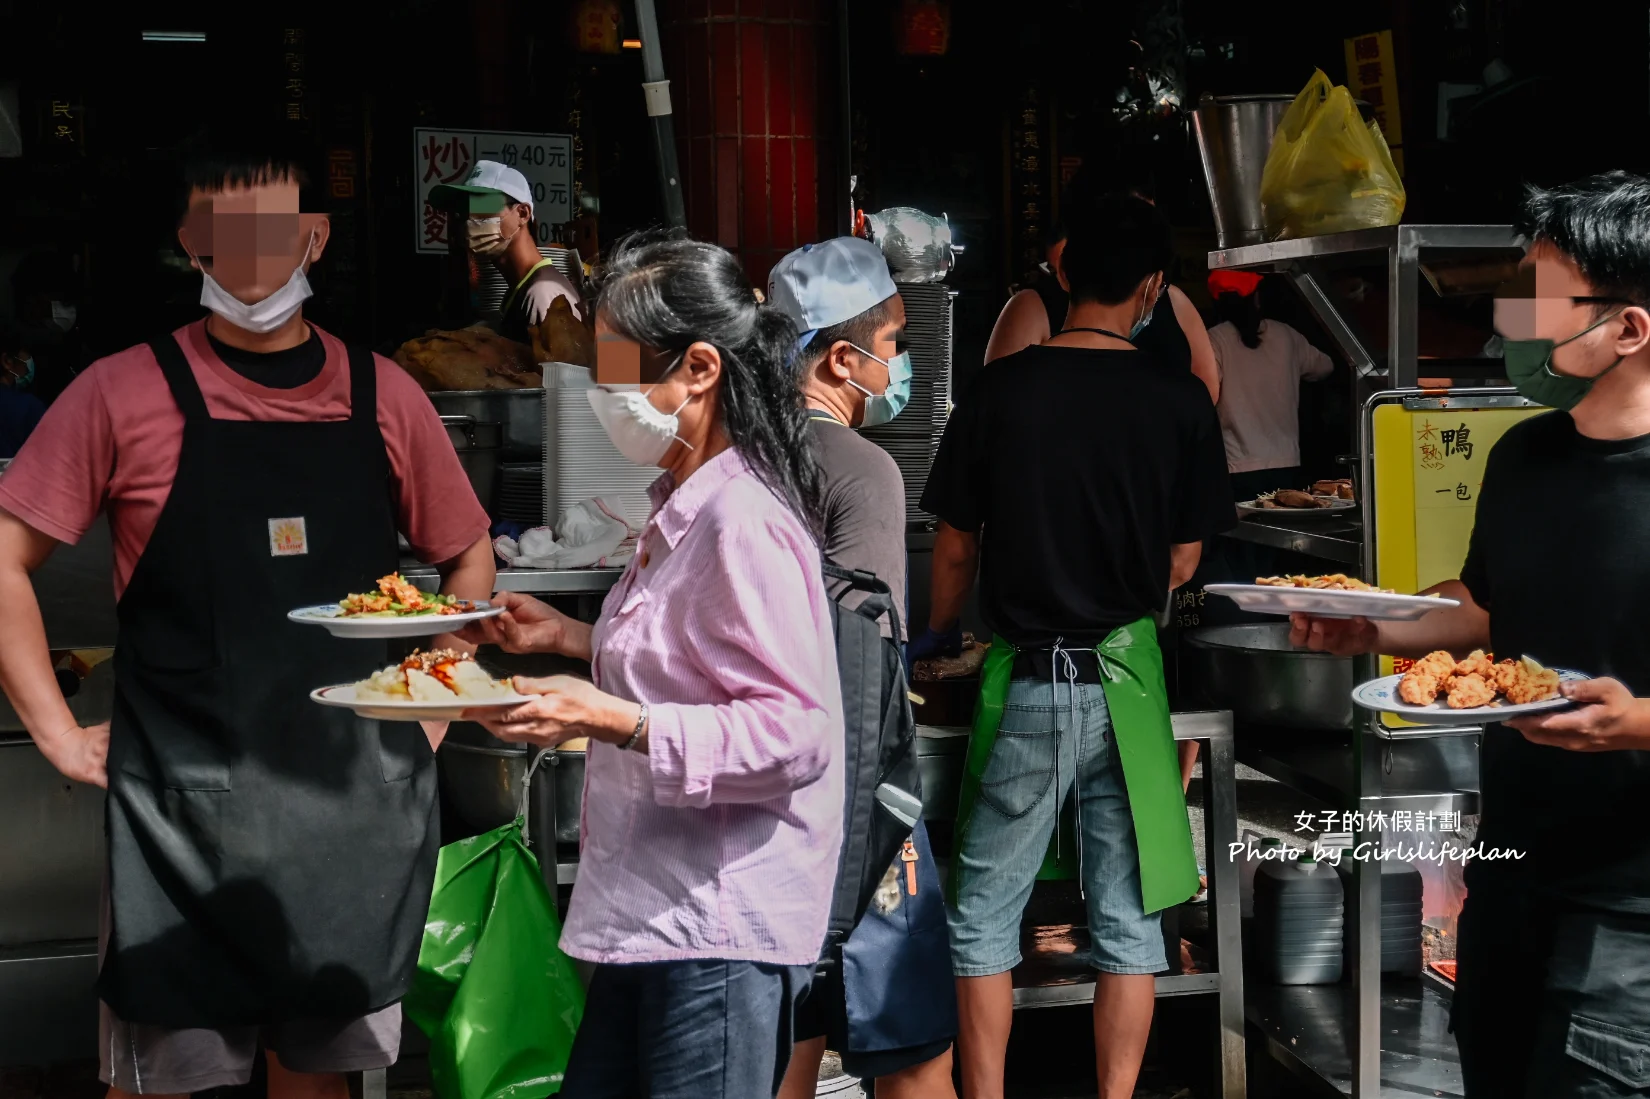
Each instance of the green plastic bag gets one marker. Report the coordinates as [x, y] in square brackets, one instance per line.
[498, 999]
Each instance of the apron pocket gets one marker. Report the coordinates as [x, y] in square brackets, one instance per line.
[1020, 772]
[1619, 1053]
[403, 749]
[172, 733]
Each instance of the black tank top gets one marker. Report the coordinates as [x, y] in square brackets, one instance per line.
[1163, 339]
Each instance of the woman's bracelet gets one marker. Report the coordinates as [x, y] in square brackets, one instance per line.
[641, 725]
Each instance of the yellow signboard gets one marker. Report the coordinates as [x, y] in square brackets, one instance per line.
[1372, 76]
[1428, 470]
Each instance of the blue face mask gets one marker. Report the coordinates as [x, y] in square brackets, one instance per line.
[881, 408]
[1140, 325]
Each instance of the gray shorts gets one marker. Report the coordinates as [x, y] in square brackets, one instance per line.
[154, 1060]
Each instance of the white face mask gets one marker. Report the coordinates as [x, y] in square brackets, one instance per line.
[63, 316]
[639, 430]
[262, 316]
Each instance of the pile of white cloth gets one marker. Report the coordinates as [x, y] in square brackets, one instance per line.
[590, 534]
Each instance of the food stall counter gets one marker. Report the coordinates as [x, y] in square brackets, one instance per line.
[532, 581]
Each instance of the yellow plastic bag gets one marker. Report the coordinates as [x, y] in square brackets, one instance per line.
[1328, 170]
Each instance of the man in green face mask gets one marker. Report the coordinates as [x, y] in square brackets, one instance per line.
[1554, 946]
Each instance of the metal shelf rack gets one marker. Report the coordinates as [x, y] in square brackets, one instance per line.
[1308, 263]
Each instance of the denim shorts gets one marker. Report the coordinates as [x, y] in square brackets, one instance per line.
[1049, 740]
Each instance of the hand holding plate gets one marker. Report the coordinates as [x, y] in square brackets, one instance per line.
[563, 708]
[1607, 719]
[1337, 636]
[526, 626]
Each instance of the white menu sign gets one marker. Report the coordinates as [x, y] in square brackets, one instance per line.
[446, 156]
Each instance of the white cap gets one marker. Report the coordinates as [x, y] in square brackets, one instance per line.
[819, 285]
[489, 175]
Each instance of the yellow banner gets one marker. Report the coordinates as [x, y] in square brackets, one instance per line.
[1429, 470]
[1372, 76]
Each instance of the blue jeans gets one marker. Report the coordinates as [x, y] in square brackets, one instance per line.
[685, 1030]
[1048, 743]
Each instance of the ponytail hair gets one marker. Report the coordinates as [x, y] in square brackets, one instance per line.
[1243, 311]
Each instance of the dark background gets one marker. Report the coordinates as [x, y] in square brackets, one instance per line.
[928, 132]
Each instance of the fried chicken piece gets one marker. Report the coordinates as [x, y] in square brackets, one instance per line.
[1420, 687]
[1479, 665]
[1440, 665]
[1469, 692]
[1523, 682]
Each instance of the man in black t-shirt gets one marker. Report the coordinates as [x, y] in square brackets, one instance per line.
[1082, 480]
[1553, 992]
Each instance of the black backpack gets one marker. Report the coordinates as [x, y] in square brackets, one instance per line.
[880, 746]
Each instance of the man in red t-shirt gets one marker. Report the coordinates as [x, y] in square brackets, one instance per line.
[270, 861]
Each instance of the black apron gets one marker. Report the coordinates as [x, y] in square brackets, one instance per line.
[270, 859]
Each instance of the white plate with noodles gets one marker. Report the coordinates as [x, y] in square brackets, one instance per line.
[427, 686]
[397, 609]
[1329, 597]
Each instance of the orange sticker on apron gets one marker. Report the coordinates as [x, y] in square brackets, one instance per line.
[286, 537]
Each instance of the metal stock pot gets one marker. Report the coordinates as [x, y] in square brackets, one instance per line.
[481, 780]
[1253, 671]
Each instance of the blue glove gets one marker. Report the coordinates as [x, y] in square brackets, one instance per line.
[931, 642]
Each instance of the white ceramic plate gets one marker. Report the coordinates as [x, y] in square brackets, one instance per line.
[330, 616]
[1251, 509]
[1264, 599]
[344, 696]
[1381, 695]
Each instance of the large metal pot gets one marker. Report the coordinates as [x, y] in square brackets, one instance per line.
[1234, 134]
[481, 780]
[521, 411]
[479, 444]
[1253, 671]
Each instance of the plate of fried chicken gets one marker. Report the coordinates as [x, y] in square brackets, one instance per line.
[1441, 690]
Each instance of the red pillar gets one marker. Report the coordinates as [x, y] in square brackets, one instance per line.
[753, 122]
[501, 55]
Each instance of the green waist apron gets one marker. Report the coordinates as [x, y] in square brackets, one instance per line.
[1131, 668]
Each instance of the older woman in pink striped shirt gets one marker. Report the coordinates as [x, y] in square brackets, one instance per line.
[714, 787]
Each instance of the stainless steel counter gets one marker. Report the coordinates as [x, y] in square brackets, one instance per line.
[51, 868]
[533, 581]
[1335, 540]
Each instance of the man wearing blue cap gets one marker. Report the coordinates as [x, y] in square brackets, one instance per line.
[890, 1007]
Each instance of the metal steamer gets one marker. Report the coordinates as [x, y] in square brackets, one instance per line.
[913, 438]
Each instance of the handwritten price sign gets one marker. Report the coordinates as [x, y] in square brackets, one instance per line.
[446, 156]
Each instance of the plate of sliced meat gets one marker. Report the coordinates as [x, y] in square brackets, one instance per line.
[1291, 504]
